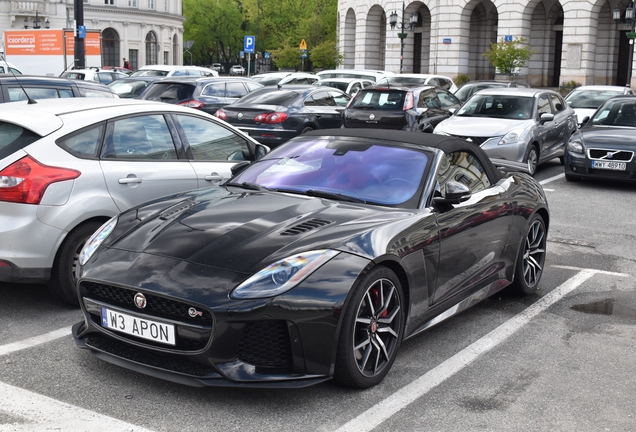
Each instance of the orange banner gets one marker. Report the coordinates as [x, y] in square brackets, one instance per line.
[48, 42]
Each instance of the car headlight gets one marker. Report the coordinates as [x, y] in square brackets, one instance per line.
[96, 240]
[283, 275]
[575, 146]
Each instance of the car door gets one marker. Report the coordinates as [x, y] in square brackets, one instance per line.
[322, 107]
[548, 131]
[211, 148]
[473, 234]
[140, 161]
[563, 124]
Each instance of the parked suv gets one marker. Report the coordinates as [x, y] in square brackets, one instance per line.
[205, 94]
[65, 169]
[93, 74]
[415, 109]
[41, 87]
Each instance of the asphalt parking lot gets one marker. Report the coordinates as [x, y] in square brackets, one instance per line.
[559, 360]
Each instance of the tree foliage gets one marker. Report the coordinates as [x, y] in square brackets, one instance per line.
[326, 55]
[219, 26]
[508, 56]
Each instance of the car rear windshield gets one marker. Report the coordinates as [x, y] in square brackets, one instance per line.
[339, 85]
[14, 138]
[169, 92]
[282, 97]
[590, 99]
[150, 72]
[386, 99]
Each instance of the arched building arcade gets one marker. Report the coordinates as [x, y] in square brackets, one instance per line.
[571, 39]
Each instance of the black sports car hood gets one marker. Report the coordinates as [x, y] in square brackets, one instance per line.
[608, 136]
[242, 232]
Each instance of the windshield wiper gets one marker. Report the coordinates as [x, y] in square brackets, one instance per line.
[333, 195]
[248, 185]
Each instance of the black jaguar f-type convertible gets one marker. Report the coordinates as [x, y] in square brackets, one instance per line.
[313, 263]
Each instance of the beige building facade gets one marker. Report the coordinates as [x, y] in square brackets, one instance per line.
[571, 39]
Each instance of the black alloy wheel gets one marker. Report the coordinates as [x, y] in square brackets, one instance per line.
[372, 330]
[531, 257]
[63, 283]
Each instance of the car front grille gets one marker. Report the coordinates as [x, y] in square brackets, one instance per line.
[610, 155]
[192, 333]
[156, 305]
[475, 140]
[266, 345]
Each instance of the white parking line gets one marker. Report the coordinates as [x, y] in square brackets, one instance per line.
[37, 340]
[37, 413]
[382, 411]
[551, 179]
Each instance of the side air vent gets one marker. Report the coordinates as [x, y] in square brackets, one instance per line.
[305, 226]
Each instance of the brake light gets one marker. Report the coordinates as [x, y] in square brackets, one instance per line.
[408, 102]
[192, 104]
[26, 180]
[271, 118]
[221, 114]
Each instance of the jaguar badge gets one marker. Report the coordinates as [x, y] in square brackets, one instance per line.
[193, 312]
[140, 300]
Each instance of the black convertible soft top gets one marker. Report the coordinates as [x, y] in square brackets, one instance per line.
[445, 143]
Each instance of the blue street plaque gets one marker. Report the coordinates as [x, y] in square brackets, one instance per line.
[508, 38]
[81, 30]
[241, 54]
[248, 44]
[446, 40]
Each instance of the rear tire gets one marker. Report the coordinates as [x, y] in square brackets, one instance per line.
[63, 283]
[372, 329]
[306, 129]
[531, 259]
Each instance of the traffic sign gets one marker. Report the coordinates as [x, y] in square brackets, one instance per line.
[303, 45]
[268, 54]
[303, 53]
[248, 44]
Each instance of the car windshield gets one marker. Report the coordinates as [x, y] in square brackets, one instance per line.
[466, 91]
[409, 81]
[169, 92]
[150, 72]
[383, 99]
[590, 99]
[128, 89]
[346, 168]
[498, 106]
[266, 97]
[616, 113]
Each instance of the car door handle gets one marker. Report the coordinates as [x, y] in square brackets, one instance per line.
[129, 180]
[318, 115]
[213, 177]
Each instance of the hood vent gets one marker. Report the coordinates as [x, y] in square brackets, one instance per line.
[306, 226]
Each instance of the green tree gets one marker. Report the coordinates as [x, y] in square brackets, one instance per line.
[287, 56]
[326, 55]
[506, 57]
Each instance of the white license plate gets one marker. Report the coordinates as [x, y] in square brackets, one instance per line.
[140, 327]
[616, 166]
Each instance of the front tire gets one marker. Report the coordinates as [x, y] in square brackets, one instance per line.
[531, 259]
[63, 283]
[533, 159]
[372, 330]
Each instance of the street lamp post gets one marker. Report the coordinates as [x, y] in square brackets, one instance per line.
[630, 20]
[36, 22]
[393, 21]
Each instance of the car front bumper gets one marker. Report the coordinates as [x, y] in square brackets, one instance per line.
[579, 165]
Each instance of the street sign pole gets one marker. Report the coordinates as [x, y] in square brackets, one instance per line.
[249, 58]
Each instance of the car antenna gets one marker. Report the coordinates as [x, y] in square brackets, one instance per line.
[30, 101]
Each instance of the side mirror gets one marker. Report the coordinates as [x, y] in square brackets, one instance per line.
[546, 117]
[236, 169]
[585, 120]
[261, 150]
[454, 193]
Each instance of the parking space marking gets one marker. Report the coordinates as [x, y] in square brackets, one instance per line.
[551, 179]
[41, 413]
[36, 340]
[384, 410]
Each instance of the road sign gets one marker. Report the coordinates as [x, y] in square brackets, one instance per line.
[303, 45]
[303, 53]
[268, 54]
[248, 44]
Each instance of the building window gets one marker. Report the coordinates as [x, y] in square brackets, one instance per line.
[109, 2]
[165, 5]
[110, 48]
[166, 57]
[133, 58]
[151, 48]
[151, 4]
[132, 3]
[175, 49]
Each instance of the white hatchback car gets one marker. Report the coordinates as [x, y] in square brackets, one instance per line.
[103, 76]
[67, 166]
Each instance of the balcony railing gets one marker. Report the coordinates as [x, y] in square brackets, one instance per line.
[31, 7]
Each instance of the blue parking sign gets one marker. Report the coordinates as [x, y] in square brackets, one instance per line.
[248, 44]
